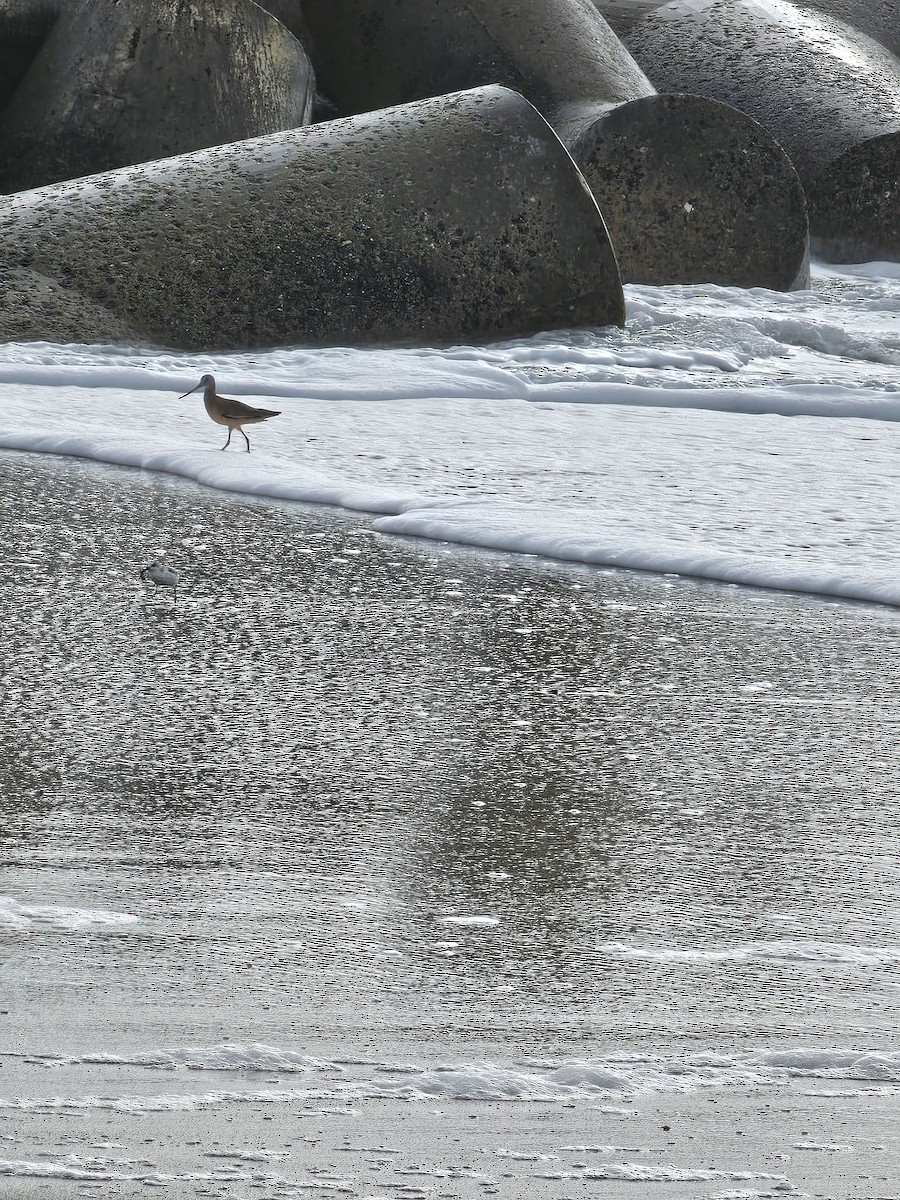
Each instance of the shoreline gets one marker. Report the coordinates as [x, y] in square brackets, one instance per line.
[506, 532]
[389, 806]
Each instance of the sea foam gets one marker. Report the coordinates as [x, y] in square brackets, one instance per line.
[619, 1077]
[15, 915]
[785, 951]
[662, 447]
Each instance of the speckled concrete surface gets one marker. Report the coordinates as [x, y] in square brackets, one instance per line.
[23, 26]
[623, 14]
[829, 95]
[745, 221]
[693, 190]
[559, 53]
[29, 301]
[459, 217]
[880, 19]
[144, 79]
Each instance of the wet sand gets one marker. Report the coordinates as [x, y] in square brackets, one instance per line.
[739, 1146]
[399, 802]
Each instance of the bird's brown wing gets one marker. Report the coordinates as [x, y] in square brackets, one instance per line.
[237, 408]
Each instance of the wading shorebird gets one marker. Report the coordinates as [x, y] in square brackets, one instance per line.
[160, 574]
[232, 413]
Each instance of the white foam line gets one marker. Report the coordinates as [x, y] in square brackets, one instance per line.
[74, 1168]
[717, 566]
[537, 1082]
[877, 269]
[67, 1169]
[638, 1173]
[415, 517]
[329, 375]
[166, 1102]
[815, 952]
[221, 476]
[57, 916]
[474, 921]
[500, 526]
[253, 1056]
[801, 400]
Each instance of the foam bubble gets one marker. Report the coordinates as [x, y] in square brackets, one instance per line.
[640, 1173]
[787, 951]
[474, 921]
[16, 915]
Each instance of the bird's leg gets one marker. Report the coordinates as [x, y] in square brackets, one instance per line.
[230, 432]
[246, 439]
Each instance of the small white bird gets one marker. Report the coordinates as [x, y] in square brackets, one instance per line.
[160, 574]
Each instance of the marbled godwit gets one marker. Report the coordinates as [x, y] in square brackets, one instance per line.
[161, 574]
[232, 413]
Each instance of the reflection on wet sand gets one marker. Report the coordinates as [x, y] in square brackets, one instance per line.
[337, 741]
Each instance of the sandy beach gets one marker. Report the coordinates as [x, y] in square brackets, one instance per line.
[391, 868]
[681, 1149]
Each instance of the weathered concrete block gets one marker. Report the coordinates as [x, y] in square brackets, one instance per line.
[829, 94]
[35, 306]
[460, 217]
[123, 83]
[622, 14]
[880, 19]
[370, 54]
[691, 191]
[694, 191]
[289, 13]
[23, 26]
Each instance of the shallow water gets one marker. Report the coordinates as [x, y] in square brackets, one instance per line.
[358, 809]
[663, 446]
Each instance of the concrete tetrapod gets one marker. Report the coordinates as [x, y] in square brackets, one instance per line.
[828, 93]
[622, 14]
[114, 84]
[690, 189]
[23, 26]
[455, 218]
[880, 19]
[290, 14]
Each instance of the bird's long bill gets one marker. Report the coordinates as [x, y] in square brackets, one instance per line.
[193, 389]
